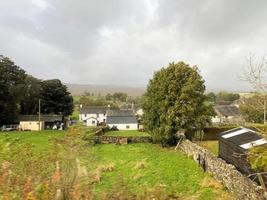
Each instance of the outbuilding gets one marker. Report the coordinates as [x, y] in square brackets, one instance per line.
[234, 146]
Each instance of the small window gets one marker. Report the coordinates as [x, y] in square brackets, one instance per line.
[127, 126]
[93, 122]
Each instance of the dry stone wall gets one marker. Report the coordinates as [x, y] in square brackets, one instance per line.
[113, 139]
[225, 173]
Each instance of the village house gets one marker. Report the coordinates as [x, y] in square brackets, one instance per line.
[122, 119]
[227, 114]
[31, 122]
[93, 116]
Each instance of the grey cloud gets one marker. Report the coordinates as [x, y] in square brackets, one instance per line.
[123, 42]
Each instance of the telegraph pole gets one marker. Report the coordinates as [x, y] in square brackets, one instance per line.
[39, 114]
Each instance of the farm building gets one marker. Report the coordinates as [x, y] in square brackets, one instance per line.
[31, 122]
[93, 116]
[122, 119]
[234, 145]
[227, 114]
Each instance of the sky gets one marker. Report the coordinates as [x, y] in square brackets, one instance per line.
[119, 42]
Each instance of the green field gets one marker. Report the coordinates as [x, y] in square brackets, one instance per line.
[127, 133]
[133, 171]
[211, 145]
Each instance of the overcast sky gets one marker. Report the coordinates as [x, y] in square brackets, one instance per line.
[122, 42]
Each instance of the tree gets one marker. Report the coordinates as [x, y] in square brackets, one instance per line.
[55, 98]
[251, 108]
[12, 79]
[211, 97]
[227, 96]
[175, 100]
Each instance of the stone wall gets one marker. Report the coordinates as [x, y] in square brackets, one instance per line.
[225, 173]
[113, 139]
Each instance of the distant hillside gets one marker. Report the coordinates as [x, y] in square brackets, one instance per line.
[78, 89]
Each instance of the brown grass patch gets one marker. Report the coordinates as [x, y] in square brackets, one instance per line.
[210, 182]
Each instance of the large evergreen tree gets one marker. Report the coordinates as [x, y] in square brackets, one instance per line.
[175, 100]
[55, 98]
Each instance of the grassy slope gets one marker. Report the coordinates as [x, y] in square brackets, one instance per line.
[137, 167]
[211, 145]
[127, 133]
[40, 140]
[147, 166]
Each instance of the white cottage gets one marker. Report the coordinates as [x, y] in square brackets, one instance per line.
[122, 119]
[93, 116]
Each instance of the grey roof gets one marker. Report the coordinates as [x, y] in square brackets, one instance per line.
[46, 118]
[121, 120]
[120, 113]
[240, 136]
[227, 110]
[93, 110]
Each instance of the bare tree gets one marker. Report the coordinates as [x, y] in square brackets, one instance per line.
[255, 73]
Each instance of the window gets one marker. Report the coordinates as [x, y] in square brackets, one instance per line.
[93, 122]
[127, 126]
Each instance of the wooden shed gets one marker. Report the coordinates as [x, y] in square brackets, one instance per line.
[234, 145]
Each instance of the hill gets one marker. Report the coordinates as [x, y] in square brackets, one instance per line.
[79, 89]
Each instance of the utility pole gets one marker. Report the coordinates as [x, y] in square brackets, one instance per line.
[39, 114]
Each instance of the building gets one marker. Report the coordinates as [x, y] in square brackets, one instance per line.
[122, 119]
[227, 114]
[31, 122]
[93, 116]
[234, 145]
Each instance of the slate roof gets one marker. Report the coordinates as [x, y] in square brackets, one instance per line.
[120, 113]
[243, 137]
[121, 120]
[45, 118]
[227, 110]
[93, 110]
[121, 117]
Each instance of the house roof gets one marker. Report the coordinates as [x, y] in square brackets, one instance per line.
[93, 110]
[45, 118]
[121, 120]
[243, 137]
[120, 113]
[227, 110]
[121, 117]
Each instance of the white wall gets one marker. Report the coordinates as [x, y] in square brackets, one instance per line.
[123, 126]
[89, 118]
[31, 125]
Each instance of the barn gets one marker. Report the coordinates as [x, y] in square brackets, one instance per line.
[234, 145]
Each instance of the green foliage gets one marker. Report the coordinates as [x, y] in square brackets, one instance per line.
[56, 98]
[211, 97]
[252, 108]
[175, 100]
[227, 96]
[258, 157]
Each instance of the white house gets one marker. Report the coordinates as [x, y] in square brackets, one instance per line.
[229, 114]
[93, 116]
[122, 119]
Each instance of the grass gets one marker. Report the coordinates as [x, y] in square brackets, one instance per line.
[211, 145]
[127, 133]
[40, 140]
[139, 167]
[110, 171]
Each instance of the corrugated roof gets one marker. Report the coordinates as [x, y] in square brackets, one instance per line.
[227, 110]
[243, 137]
[121, 120]
[93, 110]
[46, 118]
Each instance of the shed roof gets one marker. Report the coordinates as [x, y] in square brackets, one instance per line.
[93, 110]
[45, 118]
[227, 110]
[243, 137]
[121, 120]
